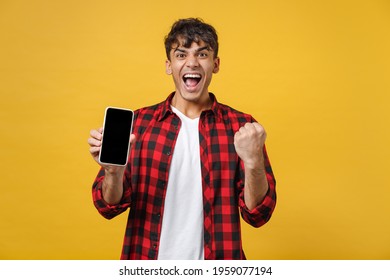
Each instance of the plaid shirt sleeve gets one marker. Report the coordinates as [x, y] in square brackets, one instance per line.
[262, 212]
[106, 210]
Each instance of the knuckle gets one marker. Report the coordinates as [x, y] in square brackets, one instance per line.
[91, 141]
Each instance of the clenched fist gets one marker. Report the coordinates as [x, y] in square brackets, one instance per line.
[249, 142]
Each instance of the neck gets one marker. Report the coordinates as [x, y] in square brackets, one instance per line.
[191, 109]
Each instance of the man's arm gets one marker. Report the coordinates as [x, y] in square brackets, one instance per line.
[112, 186]
[249, 143]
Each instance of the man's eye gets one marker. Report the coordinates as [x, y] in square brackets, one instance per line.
[203, 55]
[180, 55]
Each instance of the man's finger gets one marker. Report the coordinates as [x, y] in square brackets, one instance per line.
[96, 134]
[132, 139]
[258, 126]
[94, 150]
[93, 142]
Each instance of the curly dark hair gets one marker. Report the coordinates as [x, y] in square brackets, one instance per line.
[191, 30]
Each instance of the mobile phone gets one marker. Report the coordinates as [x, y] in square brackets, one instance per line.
[117, 127]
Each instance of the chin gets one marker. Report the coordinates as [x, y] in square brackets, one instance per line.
[191, 96]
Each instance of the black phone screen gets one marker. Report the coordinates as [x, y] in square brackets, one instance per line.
[116, 136]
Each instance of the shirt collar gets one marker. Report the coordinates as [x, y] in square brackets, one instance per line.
[166, 107]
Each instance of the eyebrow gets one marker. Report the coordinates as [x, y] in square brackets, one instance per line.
[198, 50]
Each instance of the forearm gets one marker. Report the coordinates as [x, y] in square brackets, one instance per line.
[112, 187]
[111, 194]
[259, 186]
[256, 184]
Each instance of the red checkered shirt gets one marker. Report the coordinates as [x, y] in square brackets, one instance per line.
[146, 180]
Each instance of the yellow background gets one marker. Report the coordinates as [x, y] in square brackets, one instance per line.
[314, 73]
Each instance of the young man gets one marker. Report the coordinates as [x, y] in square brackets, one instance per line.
[194, 165]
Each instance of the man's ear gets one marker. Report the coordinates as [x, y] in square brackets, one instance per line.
[216, 65]
[168, 68]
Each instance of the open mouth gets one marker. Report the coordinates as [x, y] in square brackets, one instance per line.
[192, 80]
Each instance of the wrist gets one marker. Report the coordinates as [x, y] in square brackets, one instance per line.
[255, 164]
[112, 187]
[113, 175]
[115, 171]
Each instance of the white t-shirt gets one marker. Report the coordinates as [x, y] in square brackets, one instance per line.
[182, 224]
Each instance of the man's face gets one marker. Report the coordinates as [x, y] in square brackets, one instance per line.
[192, 69]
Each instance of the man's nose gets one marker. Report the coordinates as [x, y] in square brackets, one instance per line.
[192, 61]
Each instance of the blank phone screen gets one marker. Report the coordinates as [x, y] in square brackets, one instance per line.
[116, 136]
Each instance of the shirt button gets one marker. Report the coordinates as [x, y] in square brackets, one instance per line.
[156, 218]
[154, 246]
[168, 153]
[161, 184]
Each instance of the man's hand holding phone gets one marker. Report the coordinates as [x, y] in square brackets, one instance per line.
[109, 147]
[95, 143]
